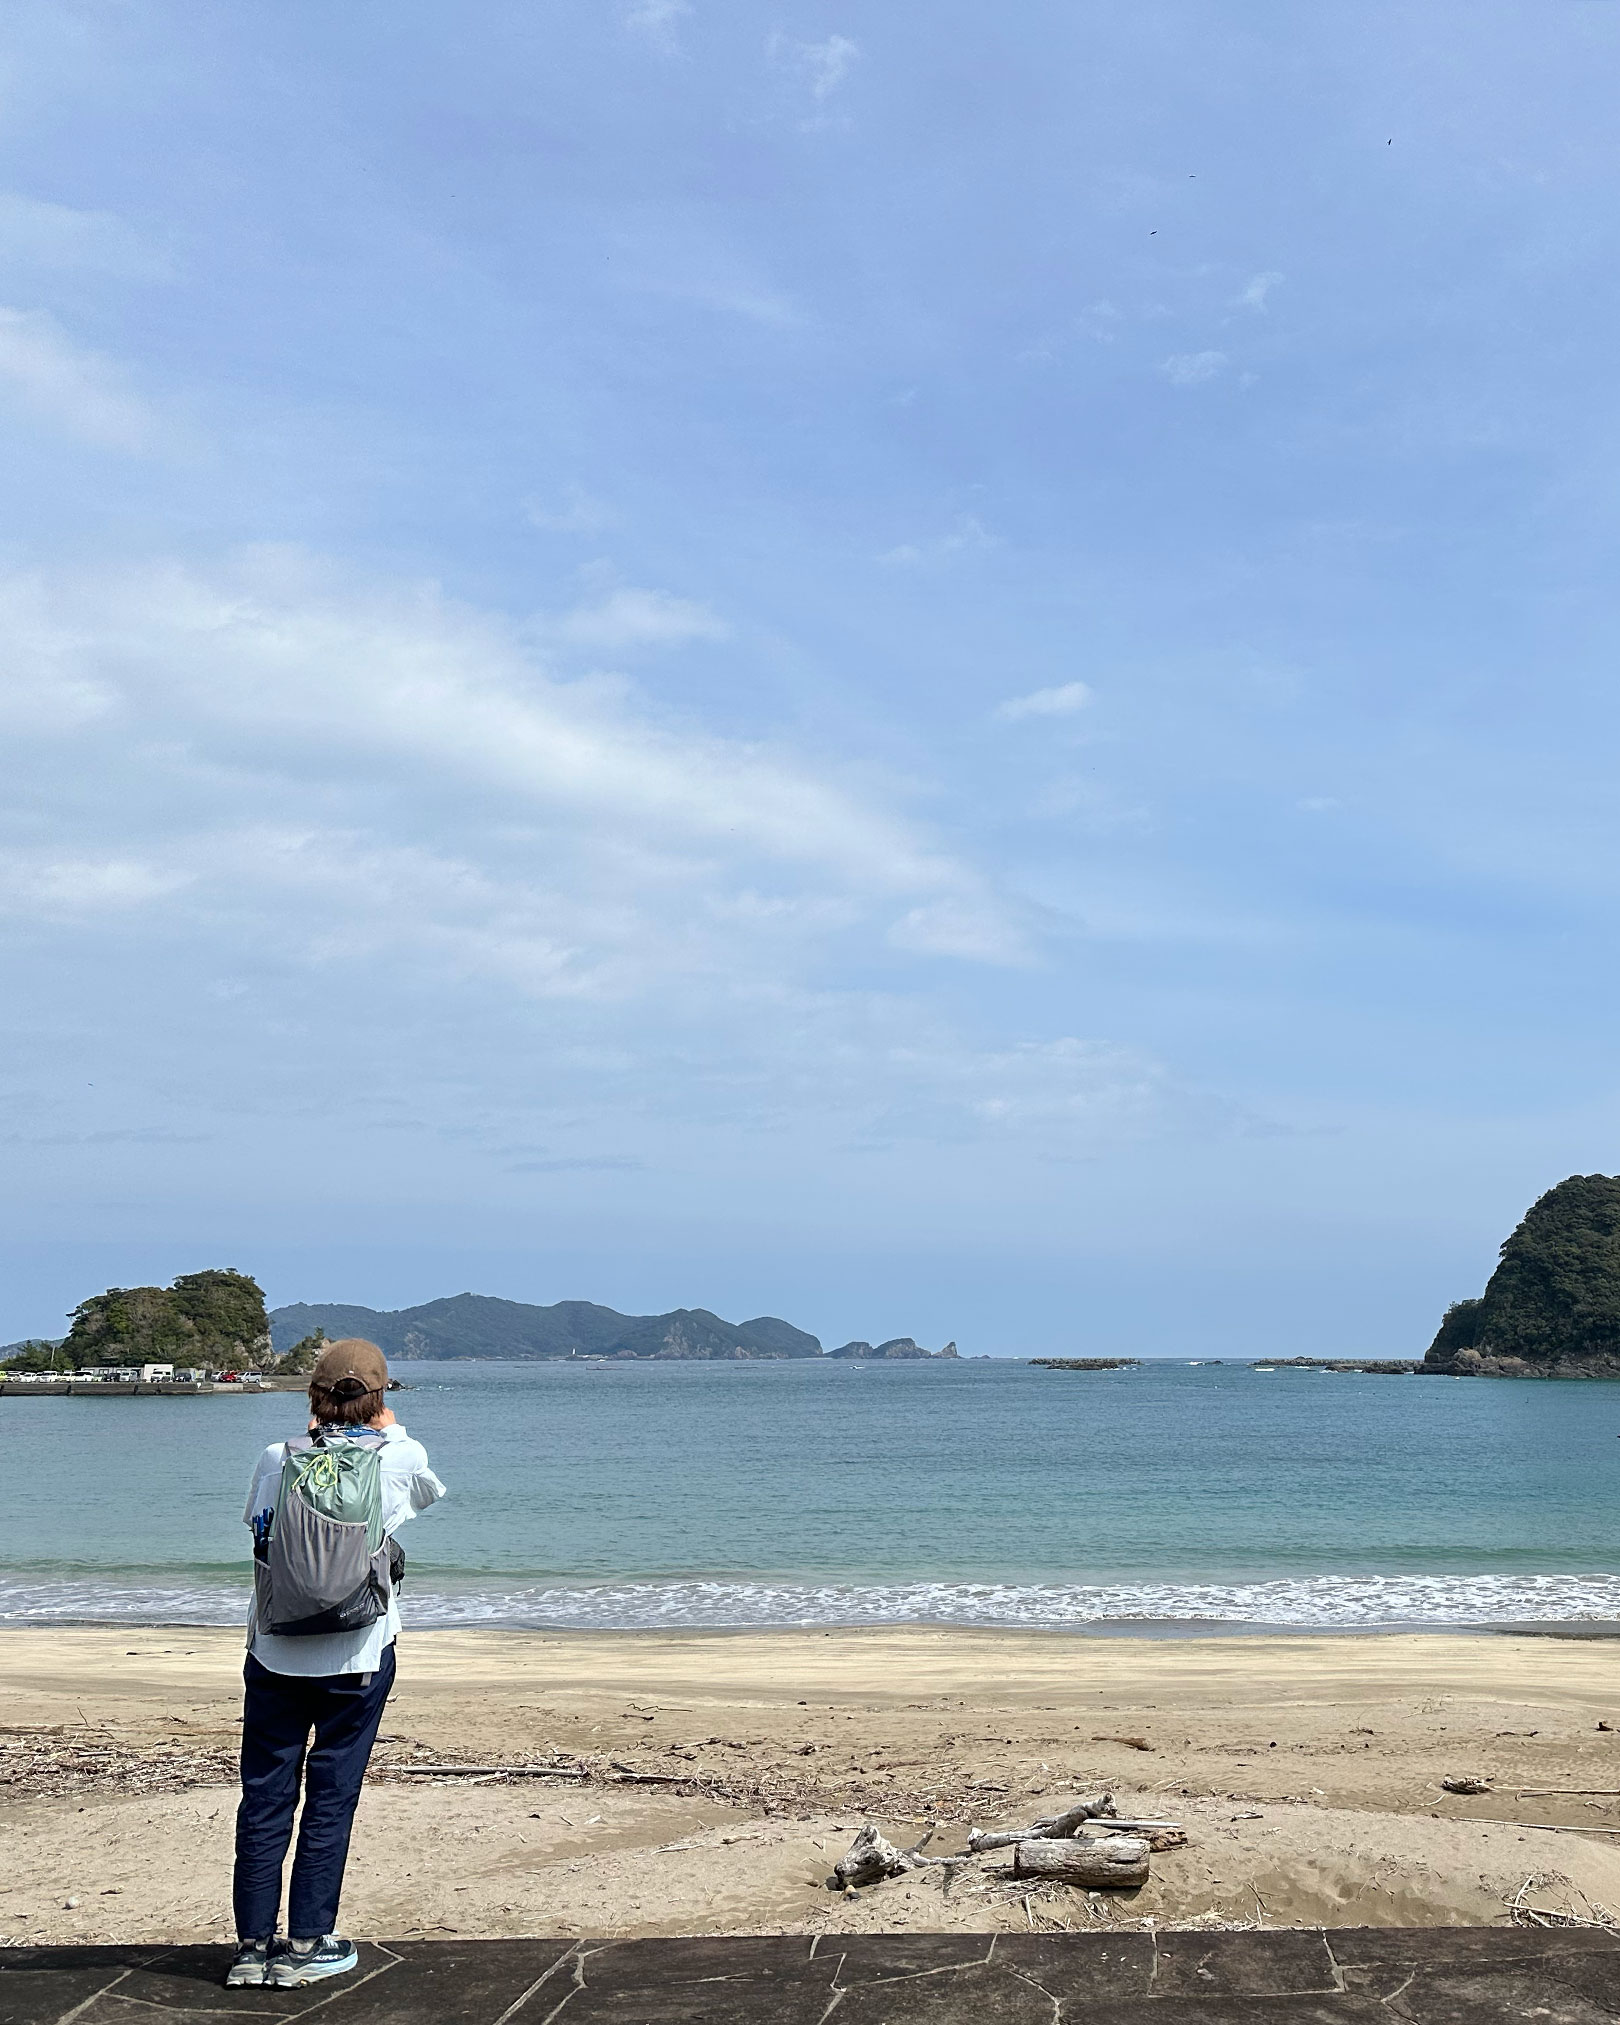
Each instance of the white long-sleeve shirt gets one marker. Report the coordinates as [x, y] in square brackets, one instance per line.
[408, 1486]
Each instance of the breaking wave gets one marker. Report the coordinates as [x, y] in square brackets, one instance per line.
[1310, 1602]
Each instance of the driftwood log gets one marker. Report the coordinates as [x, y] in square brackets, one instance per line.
[1110, 1862]
[871, 1857]
[1094, 1814]
[1071, 1822]
[485, 1771]
[1159, 1834]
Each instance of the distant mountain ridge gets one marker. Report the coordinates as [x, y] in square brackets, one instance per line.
[481, 1325]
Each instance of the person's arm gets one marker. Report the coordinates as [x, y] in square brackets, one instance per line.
[411, 1485]
[426, 1488]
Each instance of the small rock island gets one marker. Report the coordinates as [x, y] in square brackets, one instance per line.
[1085, 1363]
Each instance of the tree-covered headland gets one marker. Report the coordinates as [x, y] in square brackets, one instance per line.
[1551, 1309]
[212, 1320]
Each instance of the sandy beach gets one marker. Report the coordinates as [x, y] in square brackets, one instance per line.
[1306, 1772]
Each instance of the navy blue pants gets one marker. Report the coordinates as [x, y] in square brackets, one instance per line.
[279, 1713]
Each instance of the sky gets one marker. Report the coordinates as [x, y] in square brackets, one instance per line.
[935, 669]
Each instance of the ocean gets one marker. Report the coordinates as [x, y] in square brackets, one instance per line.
[973, 1493]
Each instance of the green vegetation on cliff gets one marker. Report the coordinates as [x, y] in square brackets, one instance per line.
[479, 1325]
[301, 1359]
[1552, 1307]
[211, 1320]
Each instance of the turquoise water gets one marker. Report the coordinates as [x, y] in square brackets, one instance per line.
[731, 1494]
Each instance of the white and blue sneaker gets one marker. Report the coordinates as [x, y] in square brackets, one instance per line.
[295, 1963]
[251, 1969]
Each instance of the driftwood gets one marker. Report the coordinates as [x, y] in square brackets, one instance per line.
[627, 1775]
[1111, 1861]
[871, 1857]
[485, 1771]
[1539, 1827]
[1072, 1821]
[1156, 1834]
[1098, 1807]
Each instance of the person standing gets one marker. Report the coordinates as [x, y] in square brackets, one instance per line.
[324, 1510]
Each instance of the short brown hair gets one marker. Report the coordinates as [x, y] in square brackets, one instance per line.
[342, 1407]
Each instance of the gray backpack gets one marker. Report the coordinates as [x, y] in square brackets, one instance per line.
[324, 1563]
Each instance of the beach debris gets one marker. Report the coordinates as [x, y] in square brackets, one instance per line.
[1158, 1835]
[52, 1758]
[1105, 1862]
[871, 1857]
[1073, 1820]
[1465, 1785]
[1076, 1824]
[627, 1775]
[1535, 1827]
[1597, 1915]
[1131, 1743]
[1605, 1726]
[488, 1771]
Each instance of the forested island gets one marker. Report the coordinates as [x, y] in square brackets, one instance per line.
[205, 1321]
[1551, 1309]
[216, 1320]
[480, 1325]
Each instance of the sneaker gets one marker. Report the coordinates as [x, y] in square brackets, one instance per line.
[295, 1963]
[251, 1967]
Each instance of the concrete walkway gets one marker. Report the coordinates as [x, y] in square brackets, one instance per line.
[1428, 1976]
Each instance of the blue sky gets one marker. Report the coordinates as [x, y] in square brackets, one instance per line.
[940, 670]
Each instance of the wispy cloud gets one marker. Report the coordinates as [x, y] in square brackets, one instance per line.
[1257, 294]
[627, 619]
[1193, 369]
[31, 883]
[55, 381]
[658, 22]
[577, 512]
[979, 930]
[1063, 701]
[968, 537]
[603, 1163]
[714, 281]
[824, 65]
[577, 843]
[35, 233]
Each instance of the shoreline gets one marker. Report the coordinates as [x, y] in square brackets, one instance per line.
[1141, 1630]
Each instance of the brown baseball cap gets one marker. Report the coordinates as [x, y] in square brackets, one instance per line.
[351, 1359]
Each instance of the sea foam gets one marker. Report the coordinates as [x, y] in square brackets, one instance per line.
[1307, 1602]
